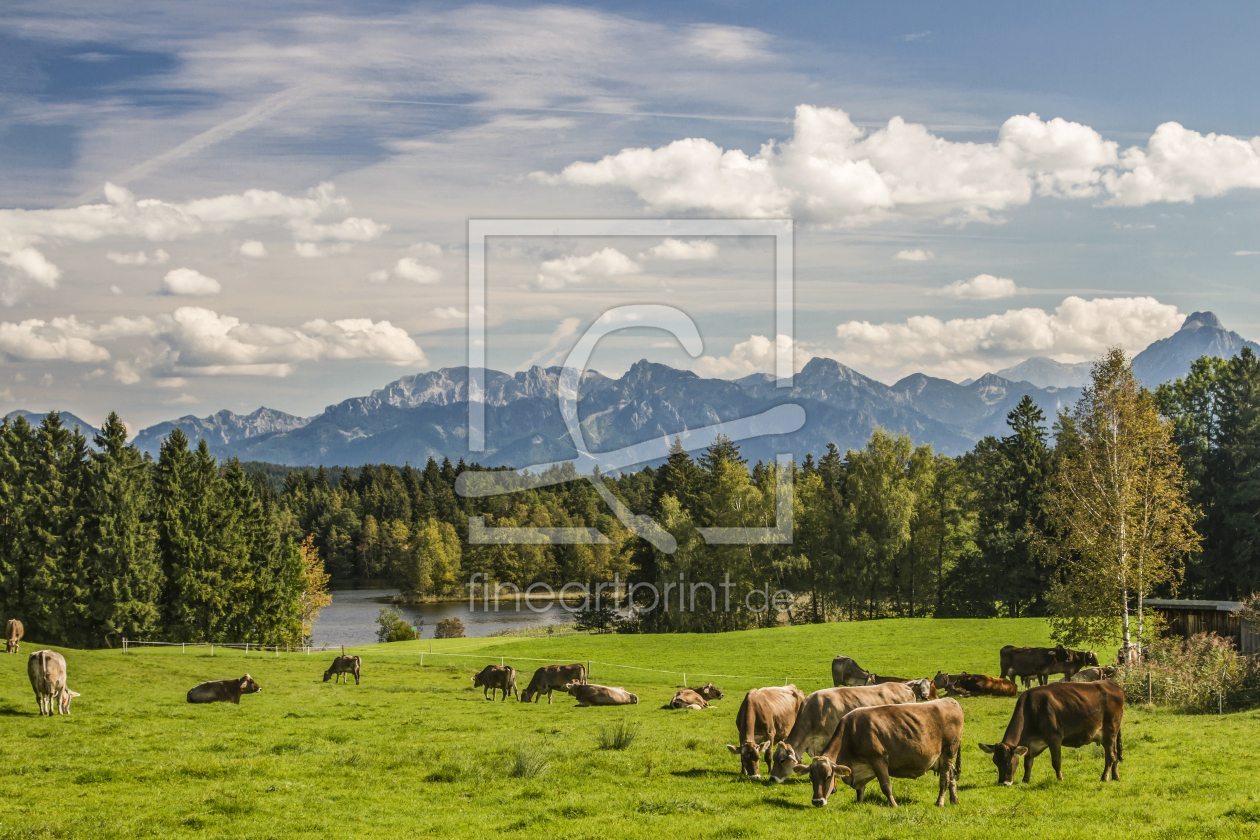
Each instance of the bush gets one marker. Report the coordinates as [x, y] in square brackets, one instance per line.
[600, 620]
[1198, 675]
[392, 627]
[527, 762]
[449, 628]
[620, 736]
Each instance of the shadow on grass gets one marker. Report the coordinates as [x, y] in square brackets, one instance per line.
[787, 804]
[700, 773]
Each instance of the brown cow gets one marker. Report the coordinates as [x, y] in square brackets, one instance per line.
[47, 672]
[763, 718]
[845, 671]
[223, 691]
[1058, 715]
[600, 695]
[975, 685]
[496, 677]
[1040, 662]
[821, 713]
[696, 698]
[343, 665]
[1095, 674]
[923, 688]
[885, 742]
[13, 635]
[549, 678]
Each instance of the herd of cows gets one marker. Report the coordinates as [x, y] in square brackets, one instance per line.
[865, 727]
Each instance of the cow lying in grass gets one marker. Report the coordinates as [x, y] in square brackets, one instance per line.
[974, 685]
[695, 698]
[600, 695]
[223, 691]
[886, 742]
[496, 678]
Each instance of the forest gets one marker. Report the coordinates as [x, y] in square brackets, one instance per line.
[99, 542]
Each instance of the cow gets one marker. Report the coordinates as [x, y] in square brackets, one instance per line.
[764, 717]
[883, 742]
[1040, 662]
[923, 688]
[822, 712]
[1062, 714]
[47, 672]
[549, 678]
[696, 698]
[343, 665]
[600, 695]
[974, 685]
[496, 677]
[1095, 674]
[844, 671]
[223, 691]
[13, 635]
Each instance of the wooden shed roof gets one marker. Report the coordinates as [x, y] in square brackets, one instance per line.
[1219, 606]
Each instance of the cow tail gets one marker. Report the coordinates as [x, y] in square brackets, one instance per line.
[1119, 746]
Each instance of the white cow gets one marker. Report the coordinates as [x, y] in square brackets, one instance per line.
[47, 670]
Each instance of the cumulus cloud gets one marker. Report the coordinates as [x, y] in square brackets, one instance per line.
[1077, 330]
[189, 281]
[353, 229]
[832, 171]
[182, 399]
[408, 268]
[32, 264]
[676, 249]
[125, 374]
[915, 255]
[158, 257]
[252, 248]
[607, 262]
[980, 287]
[756, 355]
[312, 250]
[61, 339]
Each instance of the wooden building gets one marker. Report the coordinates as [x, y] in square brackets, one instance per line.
[1185, 618]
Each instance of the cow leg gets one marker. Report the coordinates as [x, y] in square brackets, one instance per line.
[1112, 765]
[944, 774]
[1028, 761]
[1056, 758]
[885, 783]
[861, 793]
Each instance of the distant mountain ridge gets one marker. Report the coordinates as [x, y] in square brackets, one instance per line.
[67, 419]
[1201, 334]
[221, 428]
[1047, 373]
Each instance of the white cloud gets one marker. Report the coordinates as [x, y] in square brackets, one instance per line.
[408, 269]
[832, 171]
[1246, 253]
[170, 382]
[607, 262]
[252, 248]
[312, 250]
[915, 36]
[676, 249]
[31, 263]
[158, 257]
[449, 313]
[915, 255]
[114, 289]
[425, 249]
[727, 43]
[182, 399]
[756, 355]
[61, 339]
[125, 373]
[353, 229]
[980, 287]
[188, 281]
[1077, 330]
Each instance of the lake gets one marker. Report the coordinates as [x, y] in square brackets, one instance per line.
[350, 619]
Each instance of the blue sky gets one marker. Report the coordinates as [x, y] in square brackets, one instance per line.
[292, 184]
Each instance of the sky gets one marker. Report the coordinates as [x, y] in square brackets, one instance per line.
[267, 204]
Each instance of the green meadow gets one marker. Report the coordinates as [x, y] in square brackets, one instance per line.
[414, 751]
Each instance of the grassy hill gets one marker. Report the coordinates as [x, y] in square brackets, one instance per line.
[416, 752]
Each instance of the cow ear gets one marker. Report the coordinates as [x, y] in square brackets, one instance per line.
[1021, 751]
[842, 771]
[733, 748]
[800, 769]
[988, 748]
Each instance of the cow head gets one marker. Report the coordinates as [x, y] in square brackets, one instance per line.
[784, 764]
[1091, 658]
[870, 679]
[1006, 759]
[923, 689]
[476, 680]
[710, 692]
[749, 758]
[66, 696]
[941, 680]
[634, 698]
[248, 686]
[328, 675]
[526, 696]
[823, 774]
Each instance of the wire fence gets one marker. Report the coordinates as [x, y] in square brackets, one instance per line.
[130, 645]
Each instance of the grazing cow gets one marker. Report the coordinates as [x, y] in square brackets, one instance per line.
[696, 698]
[1040, 662]
[763, 718]
[820, 715]
[1063, 714]
[496, 677]
[883, 742]
[974, 685]
[223, 691]
[923, 688]
[343, 665]
[13, 635]
[1095, 674]
[600, 695]
[47, 671]
[552, 677]
[844, 671]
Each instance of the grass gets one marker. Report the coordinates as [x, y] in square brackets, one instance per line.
[416, 751]
[618, 736]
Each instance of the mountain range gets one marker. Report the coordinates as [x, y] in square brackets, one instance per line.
[426, 414]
